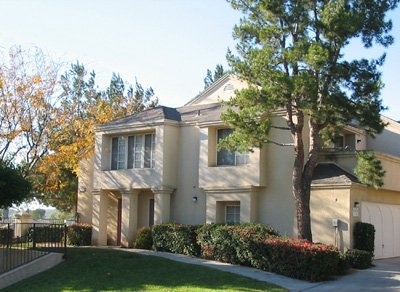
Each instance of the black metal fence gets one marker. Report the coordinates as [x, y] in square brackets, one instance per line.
[21, 243]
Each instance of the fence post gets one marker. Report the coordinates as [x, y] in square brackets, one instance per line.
[34, 236]
[65, 240]
[9, 235]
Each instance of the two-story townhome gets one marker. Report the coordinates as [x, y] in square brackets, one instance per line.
[163, 165]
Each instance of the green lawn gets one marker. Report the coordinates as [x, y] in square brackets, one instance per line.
[94, 269]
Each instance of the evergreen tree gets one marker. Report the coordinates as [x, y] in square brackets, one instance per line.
[291, 55]
[210, 78]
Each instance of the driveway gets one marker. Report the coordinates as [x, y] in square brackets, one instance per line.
[384, 276]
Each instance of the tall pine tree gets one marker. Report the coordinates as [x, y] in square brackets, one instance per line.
[291, 55]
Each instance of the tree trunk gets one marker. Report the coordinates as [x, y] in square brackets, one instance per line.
[302, 178]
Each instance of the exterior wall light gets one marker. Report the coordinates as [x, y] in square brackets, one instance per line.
[82, 189]
[194, 199]
[356, 204]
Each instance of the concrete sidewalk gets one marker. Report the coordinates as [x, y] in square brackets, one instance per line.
[32, 268]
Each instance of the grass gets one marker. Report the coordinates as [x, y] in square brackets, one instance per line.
[94, 269]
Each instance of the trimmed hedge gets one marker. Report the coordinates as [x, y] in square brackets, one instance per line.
[252, 245]
[296, 258]
[48, 233]
[79, 234]
[6, 235]
[364, 237]
[231, 243]
[176, 238]
[359, 259]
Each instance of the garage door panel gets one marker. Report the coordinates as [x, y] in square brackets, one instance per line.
[396, 228]
[386, 220]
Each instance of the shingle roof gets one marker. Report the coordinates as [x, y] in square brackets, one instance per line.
[331, 173]
[155, 114]
[201, 113]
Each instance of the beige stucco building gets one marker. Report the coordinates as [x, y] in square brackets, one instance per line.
[162, 165]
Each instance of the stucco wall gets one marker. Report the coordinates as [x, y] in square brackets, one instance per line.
[168, 138]
[276, 205]
[388, 140]
[190, 211]
[85, 183]
[326, 204]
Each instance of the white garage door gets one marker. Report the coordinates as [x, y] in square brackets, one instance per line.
[386, 219]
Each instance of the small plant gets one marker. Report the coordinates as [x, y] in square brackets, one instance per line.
[144, 239]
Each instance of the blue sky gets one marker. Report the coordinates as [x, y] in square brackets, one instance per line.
[166, 44]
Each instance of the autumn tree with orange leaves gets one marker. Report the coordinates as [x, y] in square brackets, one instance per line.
[83, 105]
[47, 120]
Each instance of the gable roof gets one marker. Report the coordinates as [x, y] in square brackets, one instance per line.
[222, 89]
[332, 174]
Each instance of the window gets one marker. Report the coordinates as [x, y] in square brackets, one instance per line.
[345, 142]
[226, 157]
[133, 152]
[232, 214]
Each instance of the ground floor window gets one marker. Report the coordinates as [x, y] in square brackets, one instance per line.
[232, 213]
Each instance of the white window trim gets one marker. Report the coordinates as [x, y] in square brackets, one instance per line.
[234, 214]
[237, 153]
[124, 164]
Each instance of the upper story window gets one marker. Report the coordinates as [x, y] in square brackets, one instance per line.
[226, 157]
[135, 151]
[345, 142]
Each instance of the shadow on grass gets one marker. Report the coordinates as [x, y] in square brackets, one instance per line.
[93, 269]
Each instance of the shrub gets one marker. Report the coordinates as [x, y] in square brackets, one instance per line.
[176, 238]
[295, 258]
[231, 243]
[6, 235]
[144, 238]
[47, 233]
[79, 234]
[359, 259]
[364, 236]
[343, 264]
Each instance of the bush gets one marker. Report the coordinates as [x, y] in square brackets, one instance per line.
[176, 238]
[343, 264]
[364, 236]
[47, 233]
[359, 259]
[79, 234]
[231, 243]
[6, 235]
[144, 238]
[295, 258]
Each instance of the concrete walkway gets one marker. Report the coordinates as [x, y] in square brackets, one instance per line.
[384, 276]
[32, 268]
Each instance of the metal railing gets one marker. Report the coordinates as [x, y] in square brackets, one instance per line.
[36, 240]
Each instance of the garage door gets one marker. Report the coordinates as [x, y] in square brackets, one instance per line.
[386, 219]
